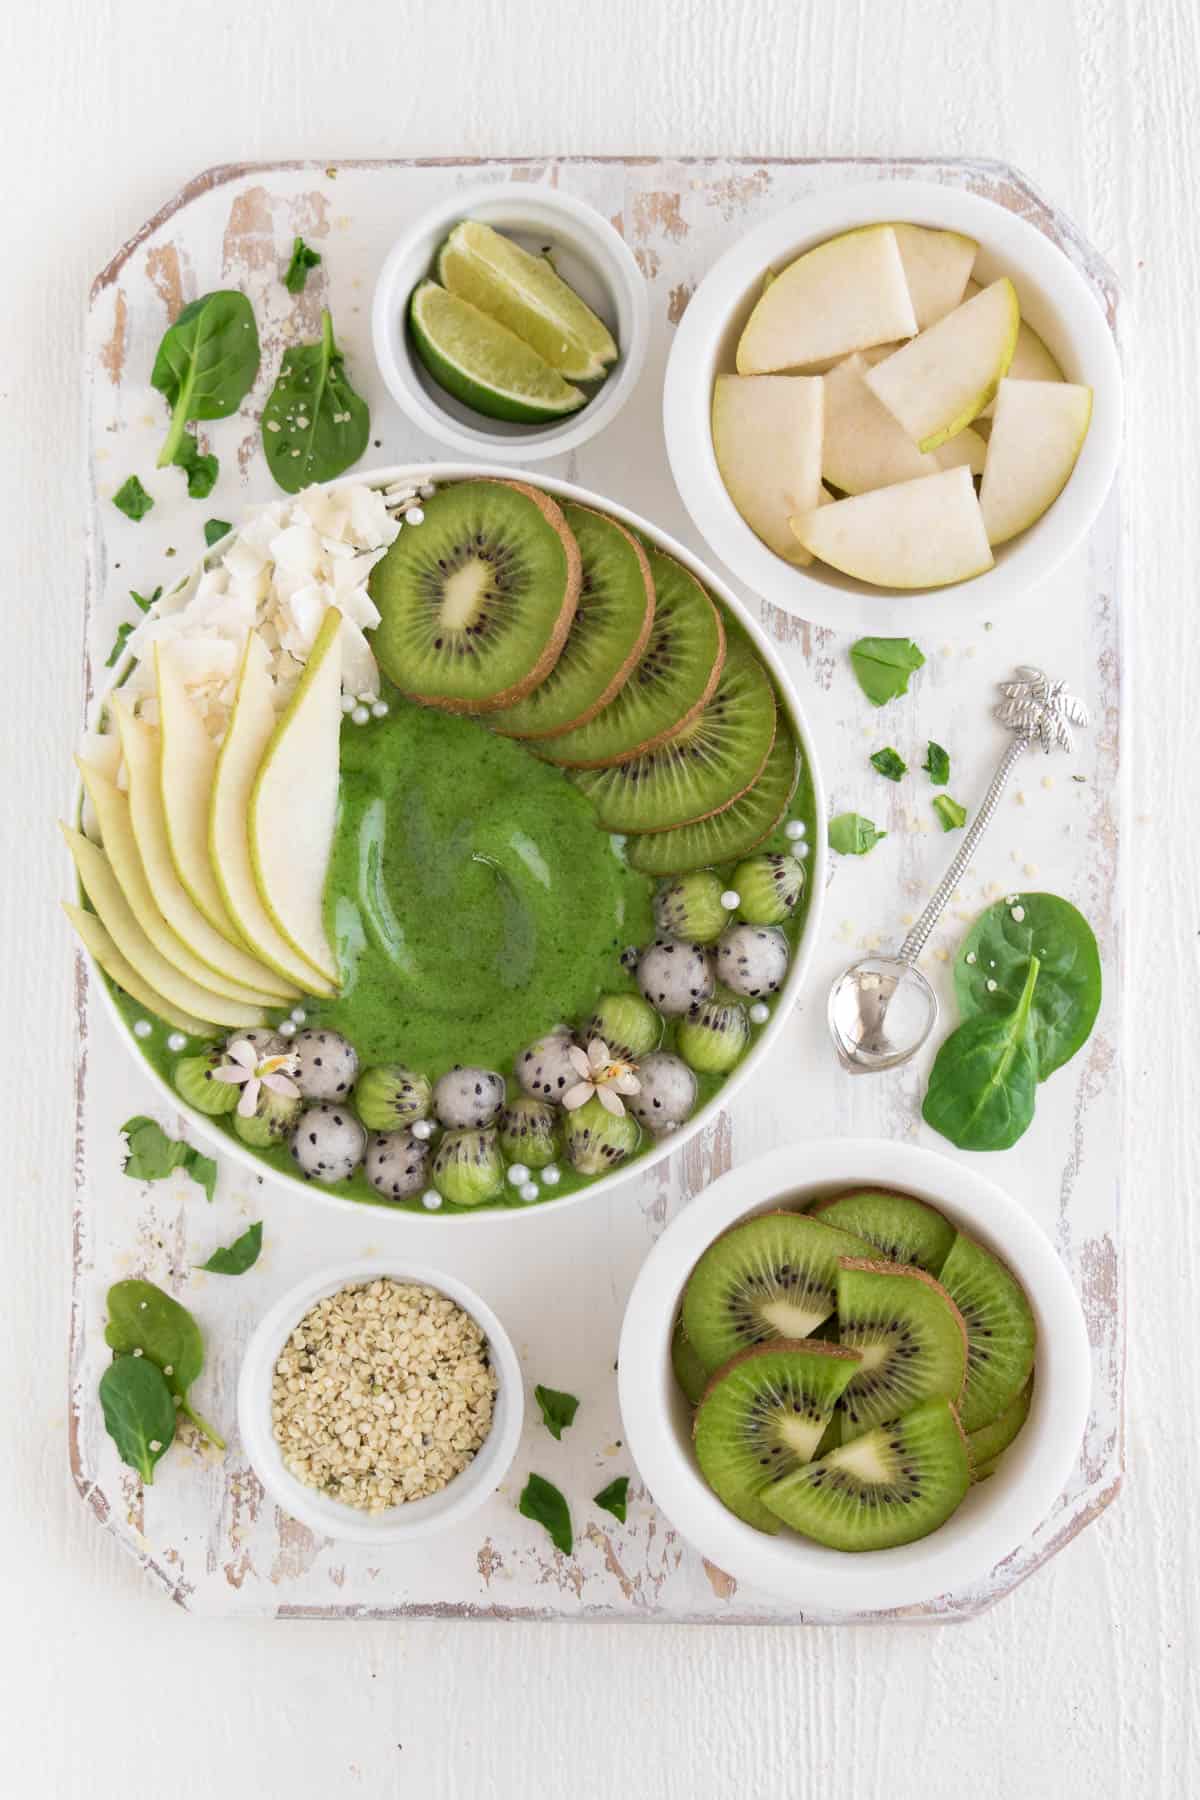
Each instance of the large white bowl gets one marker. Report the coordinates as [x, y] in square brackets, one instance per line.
[1057, 303]
[996, 1517]
[815, 867]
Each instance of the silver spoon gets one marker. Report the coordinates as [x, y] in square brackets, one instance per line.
[882, 1009]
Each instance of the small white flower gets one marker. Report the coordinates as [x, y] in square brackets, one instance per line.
[603, 1075]
[246, 1070]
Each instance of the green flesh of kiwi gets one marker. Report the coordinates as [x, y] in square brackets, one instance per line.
[476, 603]
[729, 834]
[690, 1372]
[902, 1229]
[703, 768]
[989, 1441]
[608, 634]
[910, 1336]
[676, 673]
[891, 1486]
[763, 1415]
[771, 1277]
[1001, 1333]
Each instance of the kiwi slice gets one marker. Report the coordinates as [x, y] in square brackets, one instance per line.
[774, 1276]
[1001, 1333]
[726, 835]
[909, 1334]
[608, 634]
[703, 768]
[475, 604]
[673, 678]
[690, 1372]
[902, 1229]
[891, 1486]
[990, 1441]
[763, 1415]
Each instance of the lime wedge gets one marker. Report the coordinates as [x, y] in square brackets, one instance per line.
[484, 364]
[524, 293]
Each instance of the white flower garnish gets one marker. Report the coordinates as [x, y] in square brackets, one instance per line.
[248, 1071]
[602, 1074]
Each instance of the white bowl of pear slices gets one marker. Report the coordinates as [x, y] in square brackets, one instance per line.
[893, 405]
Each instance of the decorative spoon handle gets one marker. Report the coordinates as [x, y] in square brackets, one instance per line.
[918, 937]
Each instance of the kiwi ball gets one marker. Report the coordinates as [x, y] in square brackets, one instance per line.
[628, 1024]
[468, 1167]
[597, 1140]
[690, 907]
[713, 1036]
[196, 1083]
[529, 1131]
[272, 1119]
[388, 1097]
[768, 888]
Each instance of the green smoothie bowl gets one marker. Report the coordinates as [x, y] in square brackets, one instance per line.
[448, 842]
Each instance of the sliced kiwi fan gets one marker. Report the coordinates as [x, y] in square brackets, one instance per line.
[733, 832]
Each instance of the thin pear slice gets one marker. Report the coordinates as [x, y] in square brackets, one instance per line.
[187, 761]
[864, 446]
[766, 432]
[293, 804]
[844, 295]
[116, 915]
[1037, 435]
[919, 534]
[111, 811]
[139, 746]
[99, 945]
[936, 385]
[937, 267]
[251, 725]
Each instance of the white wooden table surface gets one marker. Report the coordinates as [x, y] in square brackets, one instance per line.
[1082, 1681]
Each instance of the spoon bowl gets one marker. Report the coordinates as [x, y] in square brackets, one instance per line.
[880, 1013]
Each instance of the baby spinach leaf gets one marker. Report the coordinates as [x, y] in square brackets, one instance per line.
[937, 764]
[613, 1498]
[984, 1077]
[142, 1317]
[889, 763]
[853, 835]
[201, 470]
[132, 499]
[303, 259]
[993, 960]
[139, 1413]
[314, 425]
[153, 1155]
[215, 530]
[558, 1409]
[883, 666]
[236, 1258]
[544, 1504]
[206, 363]
[952, 815]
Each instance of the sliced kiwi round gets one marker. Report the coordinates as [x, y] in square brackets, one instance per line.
[987, 1444]
[608, 634]
[690, 1372]
[896, 1483]
[774, 1276]
[673, 678]
[726, 835]
[701, 769]
[763, 1415]
[1001, 1333]
[902, 1229]
[911, 1338]
[475, 603]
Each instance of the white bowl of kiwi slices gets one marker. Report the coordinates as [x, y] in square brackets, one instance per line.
[855, 1374]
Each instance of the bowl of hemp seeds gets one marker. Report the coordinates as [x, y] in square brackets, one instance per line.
[380, 1404]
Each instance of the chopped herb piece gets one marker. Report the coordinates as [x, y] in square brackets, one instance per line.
[613, 1498]
[303, 259]
[139, 1413]
[558, 1409]
[937, 764]
[239, 1256]
[153, 1155]
[215, 530]
[542, 1502]
[883, 666]
[201, 470]
[132, 499]
[952, 815]
[145, 1322]
[141, 602]
[853, 835]
[890, 763]
[114, 655]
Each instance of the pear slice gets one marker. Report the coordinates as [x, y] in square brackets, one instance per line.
[844, 295]
[187, 761]
[110, 808]
[766, 432]
[865, 447]
[936, 385]
[139, 746]
[293, 804]
[967, 447]
[251, 725]
[937, 267]
[1037, 435]
[99, 945]
[115, 914]
[918, 534]
[1031, 362]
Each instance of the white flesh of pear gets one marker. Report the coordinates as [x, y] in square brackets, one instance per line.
[918, 534]
[864, 446]
[100, 946]
[1037, 435]
[766, 432]
[936, 385]
[1031, 362]
[187, 760]
[293, 804]
[845, 295]
[937, 267]
[251, 725]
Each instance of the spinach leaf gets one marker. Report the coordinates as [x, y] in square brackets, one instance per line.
[206, 363]
[153, 1155]
[890, 763]
[937, 764]
[993, 960]
[239, 1256]
[544, 1504]
[558, 1409]
[139, 1413]
[853, 835]
[201, 470]
[141, 1317]
[883, 666]
[984, 1077]
[613, 1497]
[303, 259]
[952, 815]
[314, 425]
[215, 530]
[132, 499]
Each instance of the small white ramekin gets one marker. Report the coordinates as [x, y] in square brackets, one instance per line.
[996, 1517]
[1055, 300]
[592, 256]
[416, 1518]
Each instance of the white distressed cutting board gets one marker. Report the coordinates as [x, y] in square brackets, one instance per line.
[204, 1530]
